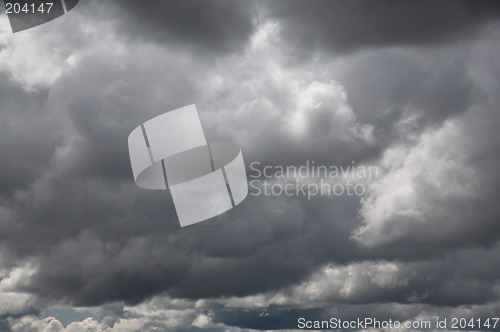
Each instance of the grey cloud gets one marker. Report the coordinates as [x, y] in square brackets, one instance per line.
[343, 26]
[381, 85]
[26, 153]
[97, 238]
[207, 28]
[88, 207]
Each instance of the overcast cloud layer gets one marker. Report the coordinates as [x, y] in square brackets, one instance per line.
[408, 86]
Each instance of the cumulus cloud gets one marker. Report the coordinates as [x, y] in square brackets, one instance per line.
[419, 182]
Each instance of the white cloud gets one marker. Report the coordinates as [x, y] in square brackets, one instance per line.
[35, 58]
[416, 183]
[267, 99]
[14, 301]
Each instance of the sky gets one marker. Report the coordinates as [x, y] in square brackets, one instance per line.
[410, 87]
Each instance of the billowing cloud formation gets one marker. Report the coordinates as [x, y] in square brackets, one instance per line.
[418, 101]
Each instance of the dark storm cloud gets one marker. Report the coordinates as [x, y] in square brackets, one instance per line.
[340, 26]
[382, 85]
[25, 153]
[95, 237]
[90, 209]
[206, 27]
[191, 262]
[237, 256]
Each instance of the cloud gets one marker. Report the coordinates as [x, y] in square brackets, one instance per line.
[53, 57]
[437, 189]
[420, 182]
[341, 26]
[279, 112]
[419, 101]
[210, 28]
[75, 207]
